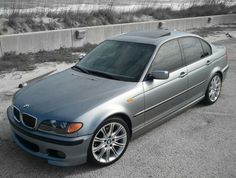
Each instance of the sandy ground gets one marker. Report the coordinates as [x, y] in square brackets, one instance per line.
[10, 81]
[216, 33]
[198, 143]
[220, 36]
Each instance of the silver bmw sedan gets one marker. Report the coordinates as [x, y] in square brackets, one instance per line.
[125, 86]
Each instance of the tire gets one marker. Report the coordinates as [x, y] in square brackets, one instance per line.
[213, 89]
[109, 142]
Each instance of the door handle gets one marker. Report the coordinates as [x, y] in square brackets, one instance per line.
[182, 74]
[208, 62]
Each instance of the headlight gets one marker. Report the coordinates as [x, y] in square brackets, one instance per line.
[60, 127]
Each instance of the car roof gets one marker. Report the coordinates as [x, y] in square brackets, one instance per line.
[150, 37]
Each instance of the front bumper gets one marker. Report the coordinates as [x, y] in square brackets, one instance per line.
[59, 151]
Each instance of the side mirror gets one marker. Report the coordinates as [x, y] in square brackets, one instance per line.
[159, 74]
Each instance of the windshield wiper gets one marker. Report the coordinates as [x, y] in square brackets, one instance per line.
[97, 73]
[80, 69]
[104, 75]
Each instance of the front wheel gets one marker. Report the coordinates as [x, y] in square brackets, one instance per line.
[109, 142]
[213, 90]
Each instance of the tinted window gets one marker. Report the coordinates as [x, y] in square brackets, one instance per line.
[192, 49]
[206, 48]
[168, 57]
[123, 60]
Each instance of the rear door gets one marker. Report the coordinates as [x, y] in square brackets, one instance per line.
[197, 58]
[165, 96]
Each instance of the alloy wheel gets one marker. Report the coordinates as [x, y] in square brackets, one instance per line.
[214, 88]
[109, 142]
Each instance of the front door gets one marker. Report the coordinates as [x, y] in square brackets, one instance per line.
[165, 96]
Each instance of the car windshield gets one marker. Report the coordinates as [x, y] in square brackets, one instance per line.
[117, 60]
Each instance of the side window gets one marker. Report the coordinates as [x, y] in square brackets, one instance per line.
[192, 49]
[168, 57]
[206, 48]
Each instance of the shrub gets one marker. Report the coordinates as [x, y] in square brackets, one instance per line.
[4, 29]
[69, 19]
[25, 62]
[12, 21]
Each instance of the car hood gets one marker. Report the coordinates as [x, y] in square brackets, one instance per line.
[67, 95]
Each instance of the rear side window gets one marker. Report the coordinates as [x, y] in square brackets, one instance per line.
[192, 49]
[206, 48]
[168, 58]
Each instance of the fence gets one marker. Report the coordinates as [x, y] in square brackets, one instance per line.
[77, 37]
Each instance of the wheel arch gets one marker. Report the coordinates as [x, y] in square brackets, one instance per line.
[207, 99]
[220, 73]
[117, 115]
[216, 70]
[124, 117]
[95, 118]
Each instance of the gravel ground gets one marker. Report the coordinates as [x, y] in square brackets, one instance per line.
[200, 142]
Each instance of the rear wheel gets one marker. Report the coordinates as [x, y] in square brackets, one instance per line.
[109, 142]
[213, 90]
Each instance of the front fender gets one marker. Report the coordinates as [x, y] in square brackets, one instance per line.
[95, 117]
